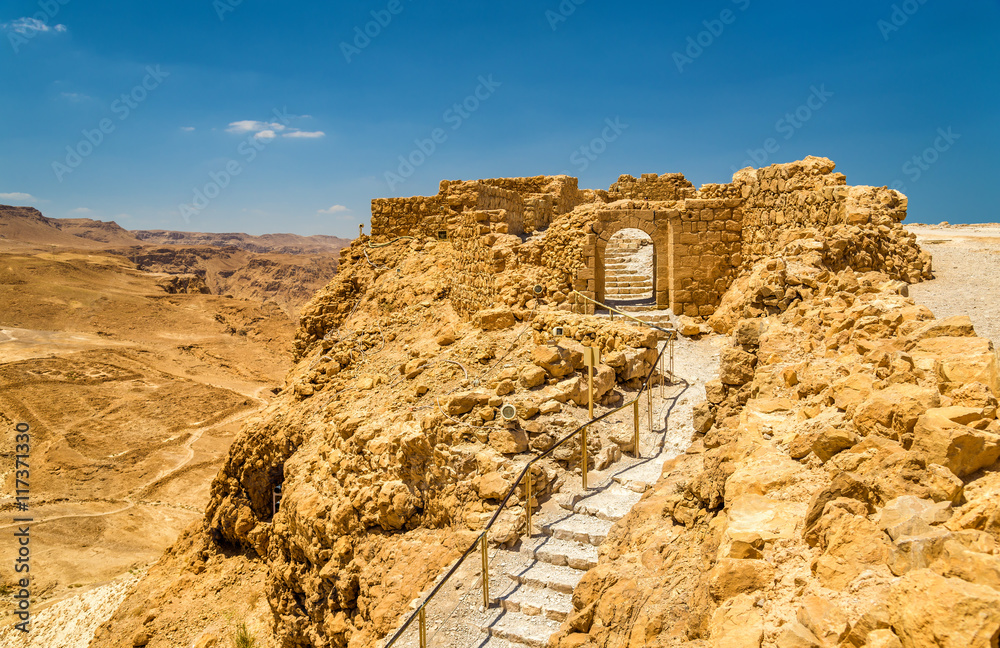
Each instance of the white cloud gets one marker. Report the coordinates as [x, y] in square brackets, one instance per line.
[30, 26]
[305, 134]
[265, 135]
[187, 129]
[80, 210]
[336, 209]
[17, 196]
[250, 126]
[75, 97]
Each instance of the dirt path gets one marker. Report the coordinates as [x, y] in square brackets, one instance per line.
[967, 274]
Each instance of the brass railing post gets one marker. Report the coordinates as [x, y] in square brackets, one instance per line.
[583, 454]
[663, 376]
[486, 574]
[527, 501]
[649, 403]
[423, 628]
[635, 427]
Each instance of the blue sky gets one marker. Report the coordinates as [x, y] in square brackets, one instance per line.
[262, 116]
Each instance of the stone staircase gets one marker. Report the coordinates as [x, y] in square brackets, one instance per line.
[531, 583]
[543, 571]
[626, 278]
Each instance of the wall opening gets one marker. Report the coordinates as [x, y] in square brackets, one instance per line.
[629, 262]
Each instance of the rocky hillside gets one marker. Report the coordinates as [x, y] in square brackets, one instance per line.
[841, 492]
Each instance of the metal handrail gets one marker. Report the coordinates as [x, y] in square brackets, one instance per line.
[482, 540]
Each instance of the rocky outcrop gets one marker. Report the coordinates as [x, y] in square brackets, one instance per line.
[841, 495]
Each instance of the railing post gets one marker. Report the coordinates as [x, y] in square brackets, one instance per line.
[527, 502]
[486, 574]
[663, 376]
[423, 628]
[583, 454]
[635, 426]
[649, 403]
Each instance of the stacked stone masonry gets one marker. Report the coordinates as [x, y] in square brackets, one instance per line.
[703, 239]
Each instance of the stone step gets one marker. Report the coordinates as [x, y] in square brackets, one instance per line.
[580, 528]
[560, 553]
[536, 601]
[629, 292]
[611, 503]
[528, 630]
[641, 477]
[545, 576]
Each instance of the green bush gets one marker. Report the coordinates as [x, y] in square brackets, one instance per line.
[242, 637]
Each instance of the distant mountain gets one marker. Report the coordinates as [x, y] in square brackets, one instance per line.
[27, 226]
[267, 243]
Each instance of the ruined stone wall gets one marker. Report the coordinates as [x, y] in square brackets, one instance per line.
[651, 186]
[492, 198]
[562, 191]
[473, 281]
[705, 252]
[416, 216]
[807, 194]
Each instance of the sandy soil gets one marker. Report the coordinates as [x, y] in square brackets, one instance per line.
[967, 274]
[134, 397]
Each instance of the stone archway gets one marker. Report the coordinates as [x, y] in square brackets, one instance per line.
[629, 263]
[635, 220]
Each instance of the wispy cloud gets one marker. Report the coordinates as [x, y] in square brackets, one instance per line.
[251, 126]
[336, 209]
[17, 196]
[187, 129]
[270, 130]
[31, 26]
[81, 210]
[75, 97]
[305, 134]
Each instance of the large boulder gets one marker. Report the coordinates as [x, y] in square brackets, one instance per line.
[930, 611]
[960, 448]
[736, 367]
[956, 361]
[892, 412]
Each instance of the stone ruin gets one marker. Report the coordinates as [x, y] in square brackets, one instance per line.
[703, 239]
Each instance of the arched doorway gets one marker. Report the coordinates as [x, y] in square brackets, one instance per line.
[629, 276]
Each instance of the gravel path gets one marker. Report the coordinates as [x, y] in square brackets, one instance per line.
[967, 274]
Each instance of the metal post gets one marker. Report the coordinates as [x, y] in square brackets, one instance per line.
[486, 575]
[583, 451]
[663, 376]
[590, 386]
[649, 403]
[527, 501]
[423, 628]
[635, 426]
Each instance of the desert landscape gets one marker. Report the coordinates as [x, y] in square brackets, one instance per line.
[812, 381]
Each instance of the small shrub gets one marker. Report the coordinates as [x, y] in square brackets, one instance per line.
[242, 637]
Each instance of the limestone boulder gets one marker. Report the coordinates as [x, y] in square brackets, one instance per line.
[494, 319]
[956, 361]
[960, 448]
[738, 623]
[604, 382]
[556, 361]
[736, 367]
[931, 611]
[892, 412]
[531, 376]
[732, 576]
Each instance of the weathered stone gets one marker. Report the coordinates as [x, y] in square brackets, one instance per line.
[730, 577]
[736, 367]
[960, 448]
[493, 486]
[494, 319]
[931, 611]
[508, 440]
[830, 441]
